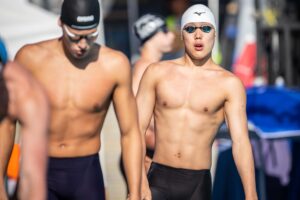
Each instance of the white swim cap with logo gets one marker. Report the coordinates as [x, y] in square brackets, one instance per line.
[198, 13]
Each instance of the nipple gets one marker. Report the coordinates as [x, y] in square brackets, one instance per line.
[205, 109]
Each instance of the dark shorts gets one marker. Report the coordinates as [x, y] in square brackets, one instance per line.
[76, 178]
[168, 183]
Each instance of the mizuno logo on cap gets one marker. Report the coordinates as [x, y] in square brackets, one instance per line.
[199, 13]
[85, 18]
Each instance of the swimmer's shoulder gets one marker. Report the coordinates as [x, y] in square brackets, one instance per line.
[161, 69]
[113, 62]
[111, 55]
[39, 52]
[165, 66]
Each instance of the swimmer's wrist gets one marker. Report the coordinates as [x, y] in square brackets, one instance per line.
[133, 196]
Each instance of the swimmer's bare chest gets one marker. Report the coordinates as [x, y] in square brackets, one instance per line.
[188, 113]
[77, 98]
[79, 104]
[201, 97]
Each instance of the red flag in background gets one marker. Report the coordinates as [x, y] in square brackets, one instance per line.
[244, 66]
[245, 47]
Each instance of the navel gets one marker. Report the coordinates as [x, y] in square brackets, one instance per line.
[205, 109]
[62, 146]
[178, 155]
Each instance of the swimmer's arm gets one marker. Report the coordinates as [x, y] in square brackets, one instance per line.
[146, 100]
[7, 123]
[27, 105]
[235, 110]
[146, 103]
[126, 112]
[26, 56]
[22, 56]
[138, 71]
[33, 114]
[137, 74]
[7, 137]
[150, 143]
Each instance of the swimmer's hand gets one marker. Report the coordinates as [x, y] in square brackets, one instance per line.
[146, 193]
[147, 163]
[132, 197]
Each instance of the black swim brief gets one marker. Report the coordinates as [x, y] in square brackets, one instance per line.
[168, 183]
[76, 178]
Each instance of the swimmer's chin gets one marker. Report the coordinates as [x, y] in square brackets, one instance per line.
[80, 56]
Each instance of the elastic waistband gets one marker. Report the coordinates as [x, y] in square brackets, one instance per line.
[72, 162]
[169, 168]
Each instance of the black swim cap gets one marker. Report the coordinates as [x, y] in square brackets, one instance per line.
[148, 25]
[80, 14]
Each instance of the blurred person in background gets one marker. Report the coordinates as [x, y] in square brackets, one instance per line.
[81, 79]
[190, 97]
[22, 99]
[156, 41]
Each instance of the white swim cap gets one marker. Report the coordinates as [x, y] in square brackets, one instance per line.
[198, 13]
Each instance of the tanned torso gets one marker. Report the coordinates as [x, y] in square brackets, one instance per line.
[188, 111]
[79, 95]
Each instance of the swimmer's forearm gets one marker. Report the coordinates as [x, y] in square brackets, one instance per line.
[146, 193]
[242, 153]
[31, 186]
[34, 150]
[147, 163]
[132, 158]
